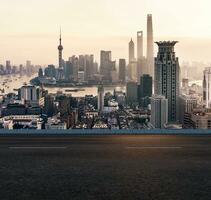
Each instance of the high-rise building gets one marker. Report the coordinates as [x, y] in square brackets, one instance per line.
[159, 111]
[122, 70]
[100, 98]
[8, 67]
[140, 53]
[131, 51]
[68, 70]
[132, 92]
[89, 67]
[28, 93]
[141, 60]
[106, 65]
[207, 87]
[74, 60]
[145, 90]
[150, 46]
[167, 80]
[132, 70]
[186, 105]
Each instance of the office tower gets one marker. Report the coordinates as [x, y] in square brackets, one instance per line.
[132, 92]
[8, 67]
[132, 66]
[28, 93]
[28, 67]
[167, 80]
[122, 70]
[132, 70]
[140, 54]
[68, 70]
[60, 74]
[95, 70]
[145, 90]
[75, 67]
[81, 76]
[207, 87]
[131, 51]
[89, 67]
[100, 98]
[159, 111]
[141, 60]
[186, 105]
[106, 65]
[21, 69]
[150, 46]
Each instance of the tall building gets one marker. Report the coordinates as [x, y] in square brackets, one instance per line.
[159, 111]
[186, 105]
[207, 87]
[60, 69]
[8, 67]
[145, 90]
[28, 93]
[140, 53]
[141, 60]
[68, 70]
[132, 92]
[106, 65]
[100, 98]
[122, 70]
[131, 51]
[74, 60]
[89, 67]
[132, 66]
[150, 46]
[167, 81]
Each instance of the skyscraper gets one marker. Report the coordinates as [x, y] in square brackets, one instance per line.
[131, 51]
[207, 87]
[167, 81]
[106, 65]
[150, 46]
[100, 98]
[140, 45]
[132, 67]
[132, 92]
[89, 67]
[122, 70]
[145, 90]
[141, 60]
[159, 111]
[186, 105]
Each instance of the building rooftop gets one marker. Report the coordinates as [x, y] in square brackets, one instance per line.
[166, 43]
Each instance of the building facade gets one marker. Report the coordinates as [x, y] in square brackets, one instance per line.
[159, 111]
[167, 80]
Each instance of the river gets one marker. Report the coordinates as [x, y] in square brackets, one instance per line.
[15, 82]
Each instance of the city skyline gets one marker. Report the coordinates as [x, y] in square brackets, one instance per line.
[99, 27]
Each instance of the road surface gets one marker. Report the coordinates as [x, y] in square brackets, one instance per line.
[105, 167]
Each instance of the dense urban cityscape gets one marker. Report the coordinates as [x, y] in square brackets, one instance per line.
[145, 92]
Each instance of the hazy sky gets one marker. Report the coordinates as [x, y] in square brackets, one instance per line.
[29, 28]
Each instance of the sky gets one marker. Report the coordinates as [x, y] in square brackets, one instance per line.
[30, 29]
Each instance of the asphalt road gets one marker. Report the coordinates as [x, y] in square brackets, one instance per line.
[105, 167]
